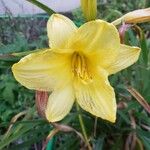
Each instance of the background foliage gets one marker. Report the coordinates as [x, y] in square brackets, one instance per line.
[20, 126]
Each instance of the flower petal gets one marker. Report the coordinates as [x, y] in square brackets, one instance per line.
[97, 38]
[60, 103]
[97, 97]
[126, 57]
[59, 29]
[42, 70]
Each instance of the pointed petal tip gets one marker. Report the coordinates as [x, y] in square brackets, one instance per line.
[109, 118]
[127, 56]
[59, 103]
[137, 52]
[112, 119]
[51, 119]
[56, 15]
[136, 48]
[59, 30]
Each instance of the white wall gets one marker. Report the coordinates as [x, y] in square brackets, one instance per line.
[19, 7]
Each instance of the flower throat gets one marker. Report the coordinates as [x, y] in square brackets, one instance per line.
[80, 67]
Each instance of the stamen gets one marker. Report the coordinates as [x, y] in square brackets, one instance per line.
[80, 67]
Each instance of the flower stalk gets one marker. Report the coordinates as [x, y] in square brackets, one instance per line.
[83, 128]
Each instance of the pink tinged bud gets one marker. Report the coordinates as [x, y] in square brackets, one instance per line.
[41, 98]
[123, 28]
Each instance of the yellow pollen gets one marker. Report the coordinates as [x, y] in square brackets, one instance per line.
[80, 67]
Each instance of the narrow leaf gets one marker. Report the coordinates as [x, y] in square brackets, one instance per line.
[139, 98]
[42, 6]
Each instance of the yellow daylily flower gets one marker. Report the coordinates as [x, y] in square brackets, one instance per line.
[76, 67]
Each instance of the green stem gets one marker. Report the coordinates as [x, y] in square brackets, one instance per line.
[83, 128]
[42, 6]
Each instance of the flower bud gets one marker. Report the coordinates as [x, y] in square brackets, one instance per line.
[41, 99]
[122, 30]
[136, 16]
[89, 8]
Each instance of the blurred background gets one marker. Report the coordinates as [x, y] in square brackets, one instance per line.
[22, 7]
[23, 29]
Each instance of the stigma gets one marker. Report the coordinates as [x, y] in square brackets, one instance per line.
[80, 68]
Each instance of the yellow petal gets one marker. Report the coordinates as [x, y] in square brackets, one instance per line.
[42, 70]
[97, 97]
[126, 57]
[98, 39]
[60, 103]
[59, 29]
[136, 16]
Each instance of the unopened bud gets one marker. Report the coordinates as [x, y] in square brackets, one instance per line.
[136, 16]
[89, 8]
[122, 30]
[41, 99]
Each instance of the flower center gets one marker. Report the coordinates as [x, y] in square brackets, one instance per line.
[80, 67]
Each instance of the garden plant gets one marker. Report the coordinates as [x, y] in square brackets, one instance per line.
[77, 80]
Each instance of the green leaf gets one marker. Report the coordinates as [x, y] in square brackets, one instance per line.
[123, 116]
[27, 141]
[8, 94]
[144, 48]
[145, 137]
[16, 133]
[99, 143]
[42, 6]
